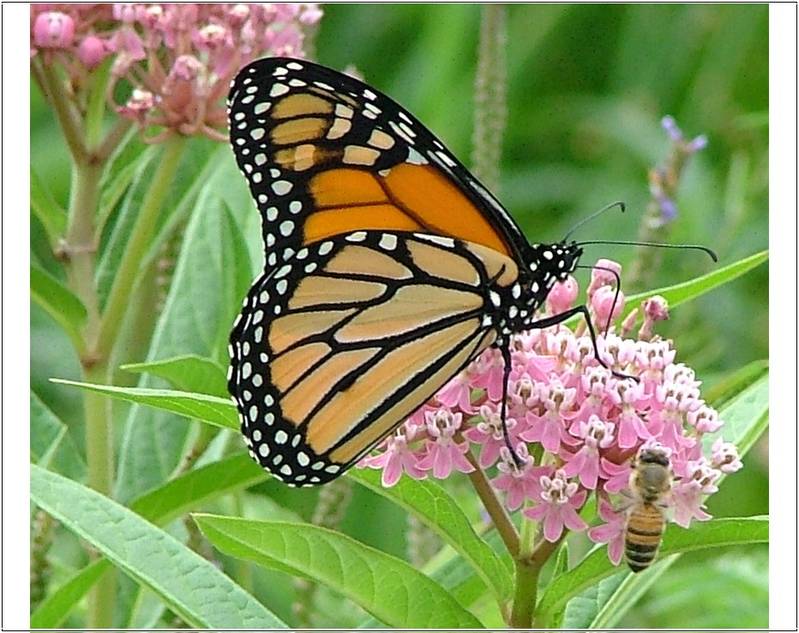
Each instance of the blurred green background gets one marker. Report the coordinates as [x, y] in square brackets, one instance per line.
[587, 87]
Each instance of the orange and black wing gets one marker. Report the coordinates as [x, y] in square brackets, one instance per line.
[325, 154]
[350, 335]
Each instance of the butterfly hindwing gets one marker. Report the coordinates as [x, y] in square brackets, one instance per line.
[324, 154]
[336, 347]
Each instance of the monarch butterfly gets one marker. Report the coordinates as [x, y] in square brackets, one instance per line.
[388, 268]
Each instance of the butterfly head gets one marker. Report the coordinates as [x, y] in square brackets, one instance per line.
[553, 262]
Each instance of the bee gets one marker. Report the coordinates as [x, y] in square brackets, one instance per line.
[650, 484]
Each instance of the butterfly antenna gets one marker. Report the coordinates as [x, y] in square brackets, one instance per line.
[692, 247]
[594, 215]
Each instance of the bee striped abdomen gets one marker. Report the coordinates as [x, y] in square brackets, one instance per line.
[642, 536]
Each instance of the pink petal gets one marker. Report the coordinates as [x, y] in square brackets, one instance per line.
[553, 526]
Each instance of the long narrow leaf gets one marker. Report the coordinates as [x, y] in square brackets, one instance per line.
[193, 587]
[688, 290]
[60, 303]
[438, 510]
[52, 215]
[174, 498]
[199, 406]
[385, 586]
[186, 373]
[676, 540]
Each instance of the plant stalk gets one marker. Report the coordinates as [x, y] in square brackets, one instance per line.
[136, 248]
[494, 508]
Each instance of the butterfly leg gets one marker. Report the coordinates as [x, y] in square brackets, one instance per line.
[506, 360]
[568, 314]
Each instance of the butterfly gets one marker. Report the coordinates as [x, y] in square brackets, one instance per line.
[388, 269]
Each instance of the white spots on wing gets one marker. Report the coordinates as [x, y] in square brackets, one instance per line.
[260, 159]
[415, 158]
[547, 254]
[294, 66]
[297, 83]
[281, 437]
[279, 72]
[295, 206]
[388, 242]
[278, 89]
[286, 228]
[446, 159]
[495, 298]
[281, 187]
[281, 286]
[358, 236]
[369, 94]
[400, 132]
[325, 247]
[448, 242]
[271, 214]
[260, 108]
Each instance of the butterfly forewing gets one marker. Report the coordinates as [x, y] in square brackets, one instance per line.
[337, 346]
[324, 154]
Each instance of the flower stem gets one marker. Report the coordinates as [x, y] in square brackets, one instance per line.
[68, 118]
[490, 95]
[494, 507]
[528, 568]
[137, 245]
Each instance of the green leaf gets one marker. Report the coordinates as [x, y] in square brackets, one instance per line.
[729, 387]
[439, 511]
[50, 442]
[688, 290]
[198, 406]
[59, 302]
[701, 535]
[132, 156]
[54, 609]
[162, 505]
[192, 587]
[51, 214]
[385, 586]
[186, 373]
[154, 442]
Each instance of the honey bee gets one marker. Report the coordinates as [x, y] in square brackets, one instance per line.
[650, 483]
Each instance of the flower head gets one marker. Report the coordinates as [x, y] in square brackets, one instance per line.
[184, 55]
[557, 505]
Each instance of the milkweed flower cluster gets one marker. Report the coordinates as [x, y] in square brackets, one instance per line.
[583, 423]
[176, 59]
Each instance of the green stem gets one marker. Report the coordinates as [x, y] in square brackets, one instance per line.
[68, 118]
[79, 251]
[490, 91]
[494, 508]
[135, 250]
[528, 569]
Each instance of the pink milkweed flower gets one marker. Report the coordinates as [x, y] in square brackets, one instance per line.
[550, 428]
[562, 296]
[616, 475]
[53, 29]
[557, 506]
[607, 303]
[724, 456]
[596, 434]
[655, 309]
[146, 42]
[611, 532]
[457, 393]
[396, 459]
[628, 396]
[698, 480]
[488, 433]
[92, 51]
[443, 453]
[519, 481]
[602, 274]
[705, 419]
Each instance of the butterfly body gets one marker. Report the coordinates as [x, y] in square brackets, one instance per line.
[388, 268]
